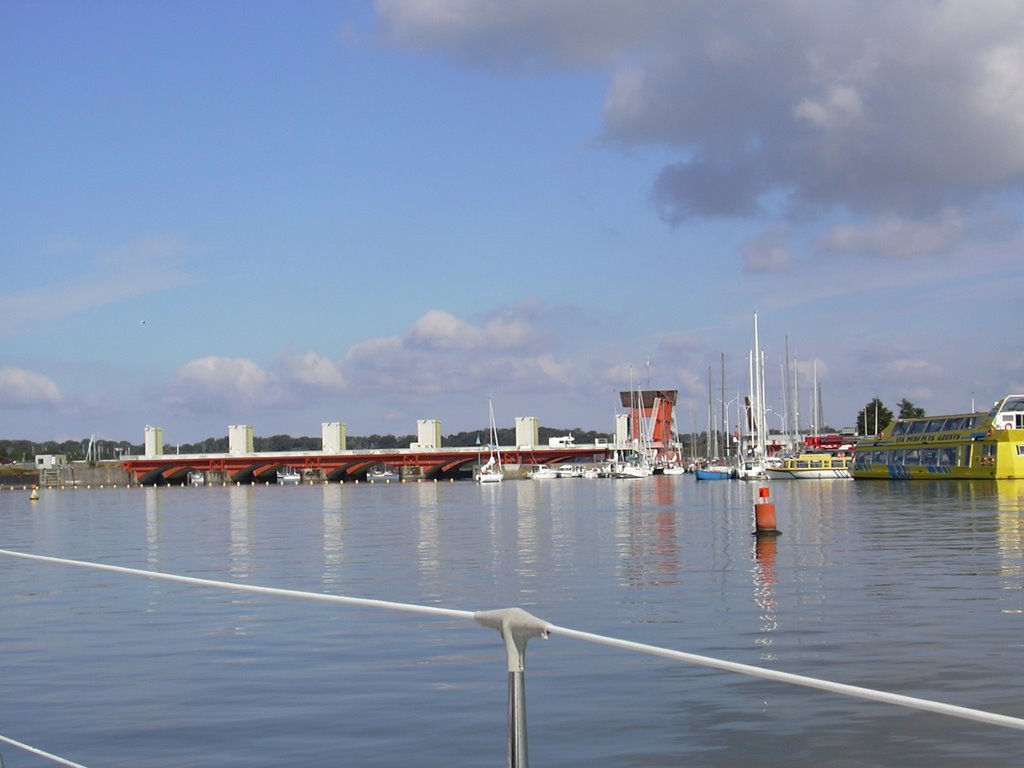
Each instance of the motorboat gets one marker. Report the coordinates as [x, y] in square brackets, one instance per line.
[544, 472]
[812, 466]
[382, 475]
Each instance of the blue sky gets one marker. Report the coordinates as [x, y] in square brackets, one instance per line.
[279, 215]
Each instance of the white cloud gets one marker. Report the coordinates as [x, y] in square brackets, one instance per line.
[896, 108]
[312, 371]
[439, 330]
[442, 353]
[220, 383]
[897, 237]
[21, 388]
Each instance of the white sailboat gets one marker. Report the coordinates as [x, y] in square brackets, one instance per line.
[753, 466]
[636, 460]
[675, 465]
[491, 471]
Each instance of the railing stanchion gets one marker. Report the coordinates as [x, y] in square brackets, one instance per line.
[516, 627]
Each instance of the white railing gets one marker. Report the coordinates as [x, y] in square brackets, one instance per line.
[516, 628]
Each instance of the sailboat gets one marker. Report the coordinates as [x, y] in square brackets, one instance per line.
[637, 461]
[675, 464]
[753, 466]
[491, 471]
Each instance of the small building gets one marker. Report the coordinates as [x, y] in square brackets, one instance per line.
[154, 442]
[428, 434]
[51, 461]
[564, 441]
[527, 431]
[332, 436]
[240, 441]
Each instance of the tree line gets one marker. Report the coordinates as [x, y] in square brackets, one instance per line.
[871, 420]
[76, 450]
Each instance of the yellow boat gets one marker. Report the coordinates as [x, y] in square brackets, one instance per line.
[967, 446]
[811, 466]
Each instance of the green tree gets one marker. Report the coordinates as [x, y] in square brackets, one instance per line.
[910, 411]
[873, 418]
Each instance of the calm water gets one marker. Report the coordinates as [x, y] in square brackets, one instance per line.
[913, 588]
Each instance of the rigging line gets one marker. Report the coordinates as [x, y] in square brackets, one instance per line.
[37, 751]
[315, 596]
[870, 694]
[855, 691]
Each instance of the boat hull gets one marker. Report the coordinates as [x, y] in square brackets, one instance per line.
[975, 446]
[808, 474]
[713, 474]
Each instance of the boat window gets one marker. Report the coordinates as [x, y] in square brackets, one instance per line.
[895, 457]
[816, 464]
[988, 451]
[917, 427]
[900, 428]
[801, 465]
[966, 456]
[934, 425]
[970, 422]
[954, 424]
[947, 457]
[912, 456]
[1013, 404]
[1020, 449]
[929, 457]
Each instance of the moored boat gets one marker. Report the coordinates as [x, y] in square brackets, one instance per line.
[811, 466]
[715, 472]
[382, 474]
[751, 469]
[967, 446]
[491, 471]
[544, 472]
[288, 476]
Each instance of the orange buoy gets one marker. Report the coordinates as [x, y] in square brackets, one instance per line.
[764, 515]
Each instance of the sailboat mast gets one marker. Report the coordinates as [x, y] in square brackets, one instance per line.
[796, 399]
[712, 445]
[751, 400]
[785, 390]
[757, 387]
[814, 396]
[494, 429]
[725, 412]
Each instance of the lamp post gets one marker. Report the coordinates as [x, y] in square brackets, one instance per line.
[725, 418]
[782, 425]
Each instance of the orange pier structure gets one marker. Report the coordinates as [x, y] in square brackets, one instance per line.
[652, 416]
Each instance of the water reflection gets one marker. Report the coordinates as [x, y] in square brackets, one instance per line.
[333, 532]
[764, 554]
[1010, 506]
[154, 502]
[428, 541]
[239, 543]
[647, 532]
